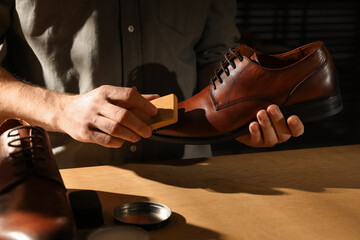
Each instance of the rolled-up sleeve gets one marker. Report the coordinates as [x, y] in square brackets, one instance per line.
[5, 20]
[220, 33]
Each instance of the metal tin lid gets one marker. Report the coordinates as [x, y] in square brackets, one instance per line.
[119, 233]
[148, 215]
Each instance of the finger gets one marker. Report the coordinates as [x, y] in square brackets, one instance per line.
[105, 140]
[141, 115]
[254, 137]
[129, 97]
[114, 129]
[127, 119]
[295, 125]
[268, 131]
[279, 124]
[150, 97]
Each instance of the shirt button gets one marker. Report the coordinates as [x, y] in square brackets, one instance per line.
[131, 28]
[133, 148]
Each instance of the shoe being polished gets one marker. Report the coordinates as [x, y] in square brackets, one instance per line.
[302, 81]
[33, 201]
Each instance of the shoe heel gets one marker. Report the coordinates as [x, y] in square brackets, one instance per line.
[316, 109]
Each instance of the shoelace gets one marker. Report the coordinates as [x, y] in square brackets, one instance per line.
[27, 154]
[225, 64]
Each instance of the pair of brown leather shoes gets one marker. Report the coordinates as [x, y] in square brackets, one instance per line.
[302, 81]
[33, 201]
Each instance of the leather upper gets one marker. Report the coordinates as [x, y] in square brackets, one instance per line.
[14, 167]
[33, 201]
[258, 80]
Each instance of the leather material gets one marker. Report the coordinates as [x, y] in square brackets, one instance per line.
[302, 75]
[33, 201]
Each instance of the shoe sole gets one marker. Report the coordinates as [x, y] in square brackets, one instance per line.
[308, 111]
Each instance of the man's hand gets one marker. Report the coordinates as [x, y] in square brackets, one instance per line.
[103, 116]
[272, 128]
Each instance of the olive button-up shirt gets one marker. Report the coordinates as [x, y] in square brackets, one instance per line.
[155, 45]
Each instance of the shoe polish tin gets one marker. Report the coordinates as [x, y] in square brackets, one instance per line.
[148, 215]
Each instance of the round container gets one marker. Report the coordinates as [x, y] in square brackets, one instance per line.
[148, 215]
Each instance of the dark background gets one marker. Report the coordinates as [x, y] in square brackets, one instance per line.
[277, 26]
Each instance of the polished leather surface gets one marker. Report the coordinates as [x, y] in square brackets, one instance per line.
[33, 201]
[302, 75]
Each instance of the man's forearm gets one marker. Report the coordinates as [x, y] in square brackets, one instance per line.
[36, 105]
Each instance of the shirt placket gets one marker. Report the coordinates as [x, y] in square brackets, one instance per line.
[131, 42]
[130, 35]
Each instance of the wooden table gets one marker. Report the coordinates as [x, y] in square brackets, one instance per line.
[296, 194]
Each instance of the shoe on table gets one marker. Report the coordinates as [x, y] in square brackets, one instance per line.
[33, 201]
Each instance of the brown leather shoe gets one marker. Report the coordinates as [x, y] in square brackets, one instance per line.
[33, 201]
[303, 82]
